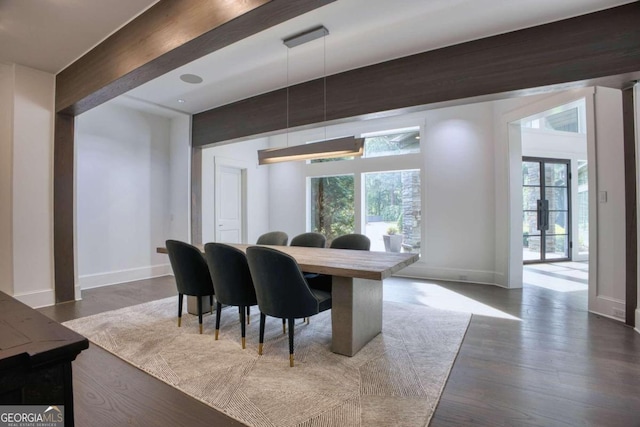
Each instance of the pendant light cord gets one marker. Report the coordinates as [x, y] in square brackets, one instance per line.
[324, 81]
[287, 97]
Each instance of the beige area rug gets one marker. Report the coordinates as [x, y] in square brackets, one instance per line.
[395, 380]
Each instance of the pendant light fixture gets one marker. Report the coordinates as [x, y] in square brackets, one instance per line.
[332, 148]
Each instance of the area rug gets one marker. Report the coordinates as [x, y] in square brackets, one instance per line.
[395, 380]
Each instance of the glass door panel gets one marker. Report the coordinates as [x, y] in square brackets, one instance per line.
[531, 234]
[556, 247]
[546, 203]
[555, 174]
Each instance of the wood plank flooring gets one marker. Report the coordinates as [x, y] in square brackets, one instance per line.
[531, 357]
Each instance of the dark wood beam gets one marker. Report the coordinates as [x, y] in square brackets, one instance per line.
[63, 213]
[631, 214]
[591, 46]
[196, 195]
[133, 50]
[170, 34]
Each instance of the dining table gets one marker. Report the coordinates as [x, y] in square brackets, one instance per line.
[356, 290]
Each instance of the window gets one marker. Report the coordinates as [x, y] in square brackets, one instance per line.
[393, 207]
[390, 143]
[332, 205]
[570, 117]
[381, 198]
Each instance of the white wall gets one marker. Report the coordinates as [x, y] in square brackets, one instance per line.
[548, 143]
[242, 155]
[608, 296]
[123, 194]
[26, 189]
[459, 193]
[288, 195]
[180, 177]
[6, 178]
[33, 186]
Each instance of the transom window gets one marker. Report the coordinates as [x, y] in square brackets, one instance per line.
[389, 143]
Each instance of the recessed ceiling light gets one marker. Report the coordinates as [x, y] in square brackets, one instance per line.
[181, 101]
[191, 78]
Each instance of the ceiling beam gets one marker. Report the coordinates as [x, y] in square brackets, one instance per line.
[168, 35]
[587, 47]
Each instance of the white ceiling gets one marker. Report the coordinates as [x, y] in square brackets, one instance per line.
[50, 34]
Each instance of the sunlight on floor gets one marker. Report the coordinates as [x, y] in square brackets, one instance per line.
[555, 284]
[559, 277]
[438, 297]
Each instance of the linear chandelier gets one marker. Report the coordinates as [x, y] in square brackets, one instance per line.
[332, 148]
[327, 149]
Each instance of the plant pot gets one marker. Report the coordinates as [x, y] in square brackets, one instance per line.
[392, 242]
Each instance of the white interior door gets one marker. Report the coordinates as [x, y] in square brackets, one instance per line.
[229, 204]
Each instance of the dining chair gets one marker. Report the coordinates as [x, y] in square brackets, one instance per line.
[192, 275]
[309, 240]
[278, 238]
[354, 241]
[231, 281]
[282, 291]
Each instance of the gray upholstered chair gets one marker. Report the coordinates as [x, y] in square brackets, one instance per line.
[309, 240]
[192, 275]
[278, 238]
[231, 281]
[359, 242]
[282, 291]
[354, 241]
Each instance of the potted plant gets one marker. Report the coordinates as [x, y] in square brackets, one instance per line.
[392, 240]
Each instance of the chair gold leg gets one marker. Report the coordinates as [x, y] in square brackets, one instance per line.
[243, 343]
[260, 349]
[284, 328]
[248, 320]
[307, 320]
[291, 360]
[217, 330]
[200, 328]
[179, 321]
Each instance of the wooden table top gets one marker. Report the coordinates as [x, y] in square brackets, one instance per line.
[341, 262]
[28, 338]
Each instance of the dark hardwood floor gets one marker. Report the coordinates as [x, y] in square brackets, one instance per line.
[532, 357]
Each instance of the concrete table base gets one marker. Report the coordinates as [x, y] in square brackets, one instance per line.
[192, 305]
[356, 313]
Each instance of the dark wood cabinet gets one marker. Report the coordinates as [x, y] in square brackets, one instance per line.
[35, 358]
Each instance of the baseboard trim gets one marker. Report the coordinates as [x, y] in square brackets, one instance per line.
[37, 299]
[417, 271]
[123, 276]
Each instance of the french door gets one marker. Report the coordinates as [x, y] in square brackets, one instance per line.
[546, 197]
